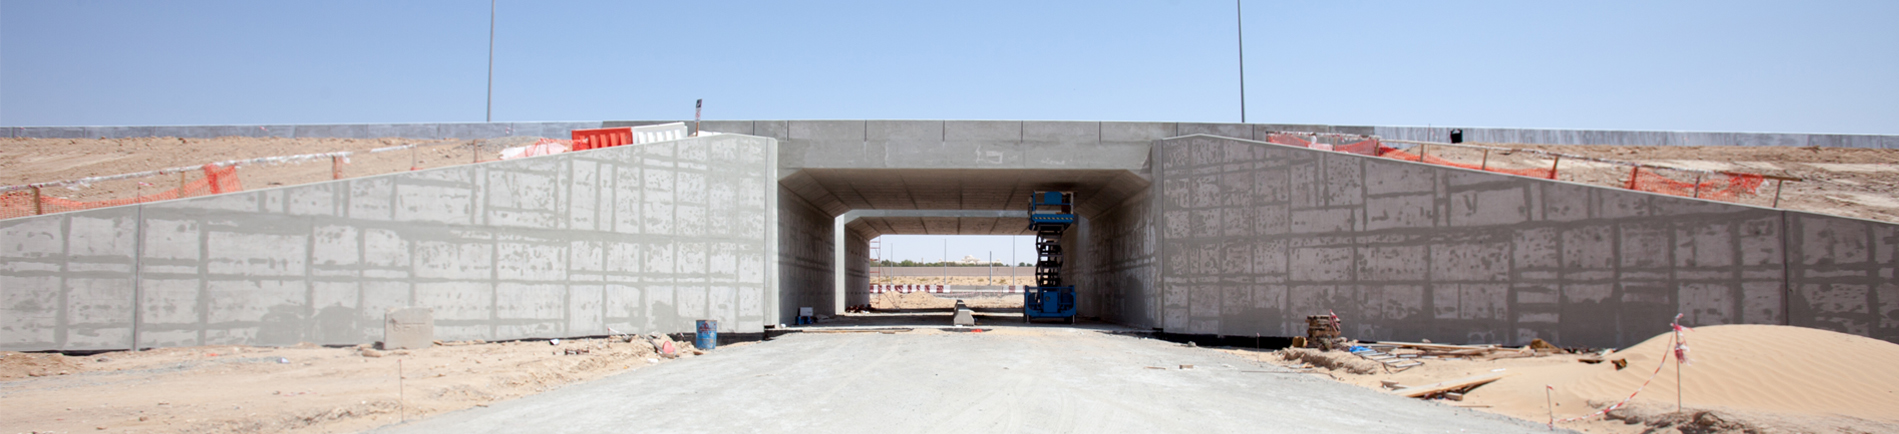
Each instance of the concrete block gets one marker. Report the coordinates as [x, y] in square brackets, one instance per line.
[1349, 129]
[32, 312]
[964, 317]
[407, 131]
[731, 127]
[371, 198]
[408, 328]
[253, 254]
[1237, 131]
[1644, 245]
[1062, 132]
[1470, 261]
[1389, 177]
[105, 234]
[1323, 220]
[331, 131]
[1140, 132]
[1841, 307]
[1621, 203]
[984, 131]
[55, 132]
[1392, 263]
[1830, 241]
[473, 130]
[1706, 304]
[1409, 211]
[38, 237]
[1497, 207]
[1324, 264]
[438, 204]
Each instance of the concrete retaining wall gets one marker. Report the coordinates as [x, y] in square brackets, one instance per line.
[856, 269]
[973, 142]
[1252, 237]
[636, 238]
[806, 278]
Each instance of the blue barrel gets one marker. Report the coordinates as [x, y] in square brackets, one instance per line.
[708, 334]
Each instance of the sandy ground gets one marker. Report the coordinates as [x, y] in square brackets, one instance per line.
[24, 161]
[890, 301]
[1761, 377]
[1838, 181]
[304, 389]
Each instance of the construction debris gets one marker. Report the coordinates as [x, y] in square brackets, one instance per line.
[1322, 332]
[1442, 387]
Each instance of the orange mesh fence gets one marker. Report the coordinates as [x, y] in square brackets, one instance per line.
[1367, 146]
[21, 203]
[1397, 154]
[1718, 186]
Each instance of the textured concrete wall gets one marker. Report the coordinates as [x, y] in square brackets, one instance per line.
[971, 143]
[1253, 237]
[1117, 260]
[636, 238]
[856, 270]
[806, 276]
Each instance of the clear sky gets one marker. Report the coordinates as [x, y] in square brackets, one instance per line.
[1736, 65]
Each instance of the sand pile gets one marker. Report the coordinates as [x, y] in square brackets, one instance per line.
[305, 388]
[1762, 378]
[22, 365]
[1333, 360]
[1759, 376]
[1760, 367]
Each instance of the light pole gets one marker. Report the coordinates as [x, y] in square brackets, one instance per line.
[491, 61]
[1238, 17]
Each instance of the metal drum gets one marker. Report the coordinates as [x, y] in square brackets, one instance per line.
[708, 334]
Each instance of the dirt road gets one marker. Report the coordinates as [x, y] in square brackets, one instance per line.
[1011, 379]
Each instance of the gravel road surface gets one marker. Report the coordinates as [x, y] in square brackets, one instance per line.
[1011, 379]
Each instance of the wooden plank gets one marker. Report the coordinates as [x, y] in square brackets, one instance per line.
[1437, 346]
[1445, 386]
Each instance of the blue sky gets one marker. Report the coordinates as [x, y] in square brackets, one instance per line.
[1828, 67]
[1676, 65]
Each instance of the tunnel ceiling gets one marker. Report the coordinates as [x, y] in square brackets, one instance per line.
[840, 190]
[871, 227]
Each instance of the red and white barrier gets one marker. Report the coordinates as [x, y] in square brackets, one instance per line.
[907, 289]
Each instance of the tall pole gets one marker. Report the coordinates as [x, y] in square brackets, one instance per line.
[946, 261]
[1237, 18]
[992, 267]
[491, 61]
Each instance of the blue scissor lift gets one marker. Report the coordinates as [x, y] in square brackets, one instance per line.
[1050, 214]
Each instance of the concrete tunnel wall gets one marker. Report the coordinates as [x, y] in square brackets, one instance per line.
[805, 248]
[1240, 237]
[636, 238]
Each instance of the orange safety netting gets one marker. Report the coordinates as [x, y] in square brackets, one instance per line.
[19, 203]
[1720, 186]
[1362, 147]
[1407, 156]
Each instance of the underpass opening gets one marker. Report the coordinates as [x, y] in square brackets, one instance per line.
[868, 204]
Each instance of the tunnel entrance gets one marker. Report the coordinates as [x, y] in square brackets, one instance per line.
[921, 278]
